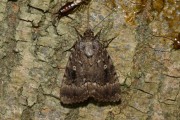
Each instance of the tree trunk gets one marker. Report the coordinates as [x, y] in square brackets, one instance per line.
[32, 59]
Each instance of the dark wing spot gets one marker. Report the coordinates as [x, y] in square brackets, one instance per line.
[72, 74]
[106, 75]
[111, 67]
[108, 57]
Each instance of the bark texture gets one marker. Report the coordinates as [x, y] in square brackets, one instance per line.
[32, 59]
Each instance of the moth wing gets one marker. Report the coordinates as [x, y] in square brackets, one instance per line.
[72, 91]
[106, 87]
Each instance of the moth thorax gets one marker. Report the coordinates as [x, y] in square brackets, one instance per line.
[88, 49]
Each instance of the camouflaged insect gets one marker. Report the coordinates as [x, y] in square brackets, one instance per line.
[89, 72]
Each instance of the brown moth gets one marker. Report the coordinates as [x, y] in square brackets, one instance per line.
[90, 72]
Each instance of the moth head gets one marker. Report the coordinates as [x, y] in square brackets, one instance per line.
[89, 48]
[88, 35]
[89, 44]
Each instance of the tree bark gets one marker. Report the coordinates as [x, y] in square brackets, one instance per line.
[32, 61]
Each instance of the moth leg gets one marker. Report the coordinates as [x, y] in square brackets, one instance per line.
[106, 43]
[78, 34]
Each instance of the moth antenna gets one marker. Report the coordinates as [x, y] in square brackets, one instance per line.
[78, 34]
[88, 25]
[97, 36]
[106, 44]
[103, 20]
[113, 10]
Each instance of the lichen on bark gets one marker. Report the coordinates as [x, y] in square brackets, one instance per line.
[32, 59]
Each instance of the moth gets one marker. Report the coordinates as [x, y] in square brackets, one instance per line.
[70, 7]
[90, 72]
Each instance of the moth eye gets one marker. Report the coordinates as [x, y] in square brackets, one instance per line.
[105, 66]
[74, 68]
